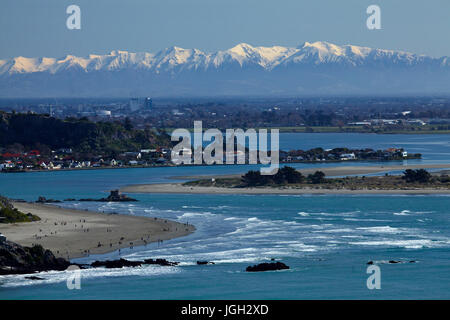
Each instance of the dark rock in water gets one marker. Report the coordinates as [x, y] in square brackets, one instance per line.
[116, 263]
[161, 262]
[70, 199]
[110, 264]
[15, 259]
[204, 262]
[391, 262]
[114, 196]
[34, 278]
[45, 200]
[267, 267]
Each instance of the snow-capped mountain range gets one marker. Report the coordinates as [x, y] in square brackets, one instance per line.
[311, 68]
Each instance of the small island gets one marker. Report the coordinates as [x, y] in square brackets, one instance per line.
[288, 177]
[415, 179]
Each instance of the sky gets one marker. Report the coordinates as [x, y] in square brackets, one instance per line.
[36, 28]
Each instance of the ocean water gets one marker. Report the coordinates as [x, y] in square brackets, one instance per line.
[326, 240]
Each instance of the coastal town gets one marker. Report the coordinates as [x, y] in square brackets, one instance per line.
[65, 159]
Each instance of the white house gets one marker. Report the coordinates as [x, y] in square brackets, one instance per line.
[348, 156]
[2, 238]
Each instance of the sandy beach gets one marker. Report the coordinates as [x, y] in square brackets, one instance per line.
[72, 233]
[181, 189]
[331, 171]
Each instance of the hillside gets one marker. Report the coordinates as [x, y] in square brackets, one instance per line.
[34, 131]
[9, 214]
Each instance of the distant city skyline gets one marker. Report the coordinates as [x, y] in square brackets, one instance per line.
[36, 28]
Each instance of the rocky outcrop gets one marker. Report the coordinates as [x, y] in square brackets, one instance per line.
[114, 196]
[204, 262]
[15, 259]
[42, 199]
[34, 278]
[112, 264]
[161, 262]
[267, 267]
[9, 214]
[390, 262]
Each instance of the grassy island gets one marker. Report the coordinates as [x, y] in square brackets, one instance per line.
[289, 177]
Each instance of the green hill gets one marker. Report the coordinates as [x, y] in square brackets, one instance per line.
[9, 214]
[83, 136]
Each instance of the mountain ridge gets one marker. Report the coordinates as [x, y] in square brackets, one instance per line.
[242, 68]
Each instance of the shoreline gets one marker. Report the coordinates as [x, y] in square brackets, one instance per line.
[330, 171]
[178, 188]
[194, 165]
[61, 231]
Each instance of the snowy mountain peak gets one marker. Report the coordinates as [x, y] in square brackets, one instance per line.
[268, 58]
[313, 66]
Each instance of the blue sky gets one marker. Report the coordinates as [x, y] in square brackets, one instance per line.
[38, 27]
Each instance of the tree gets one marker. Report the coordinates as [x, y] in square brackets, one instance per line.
[127, 124]
[419, 175]
[291, 175]
[253, 178]
[317, 177]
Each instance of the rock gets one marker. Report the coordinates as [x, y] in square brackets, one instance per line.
[45, 200]
[204, 262]
[34, 278]
[161, 262]
[114, 196]
[267, 267]
[110, 264]
[391, 262]
[15, 259]
[69, 199]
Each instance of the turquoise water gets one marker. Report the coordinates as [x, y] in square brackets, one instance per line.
[325, 239]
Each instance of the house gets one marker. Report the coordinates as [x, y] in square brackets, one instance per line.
[7, 164]
[34, 153]
[42, 164]
[11, 155]
[2, 238]
[113, 163]
[86, 164]
[392, 150]
[348, 156]
[65, 150]
[360, 123]
[136, 155]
